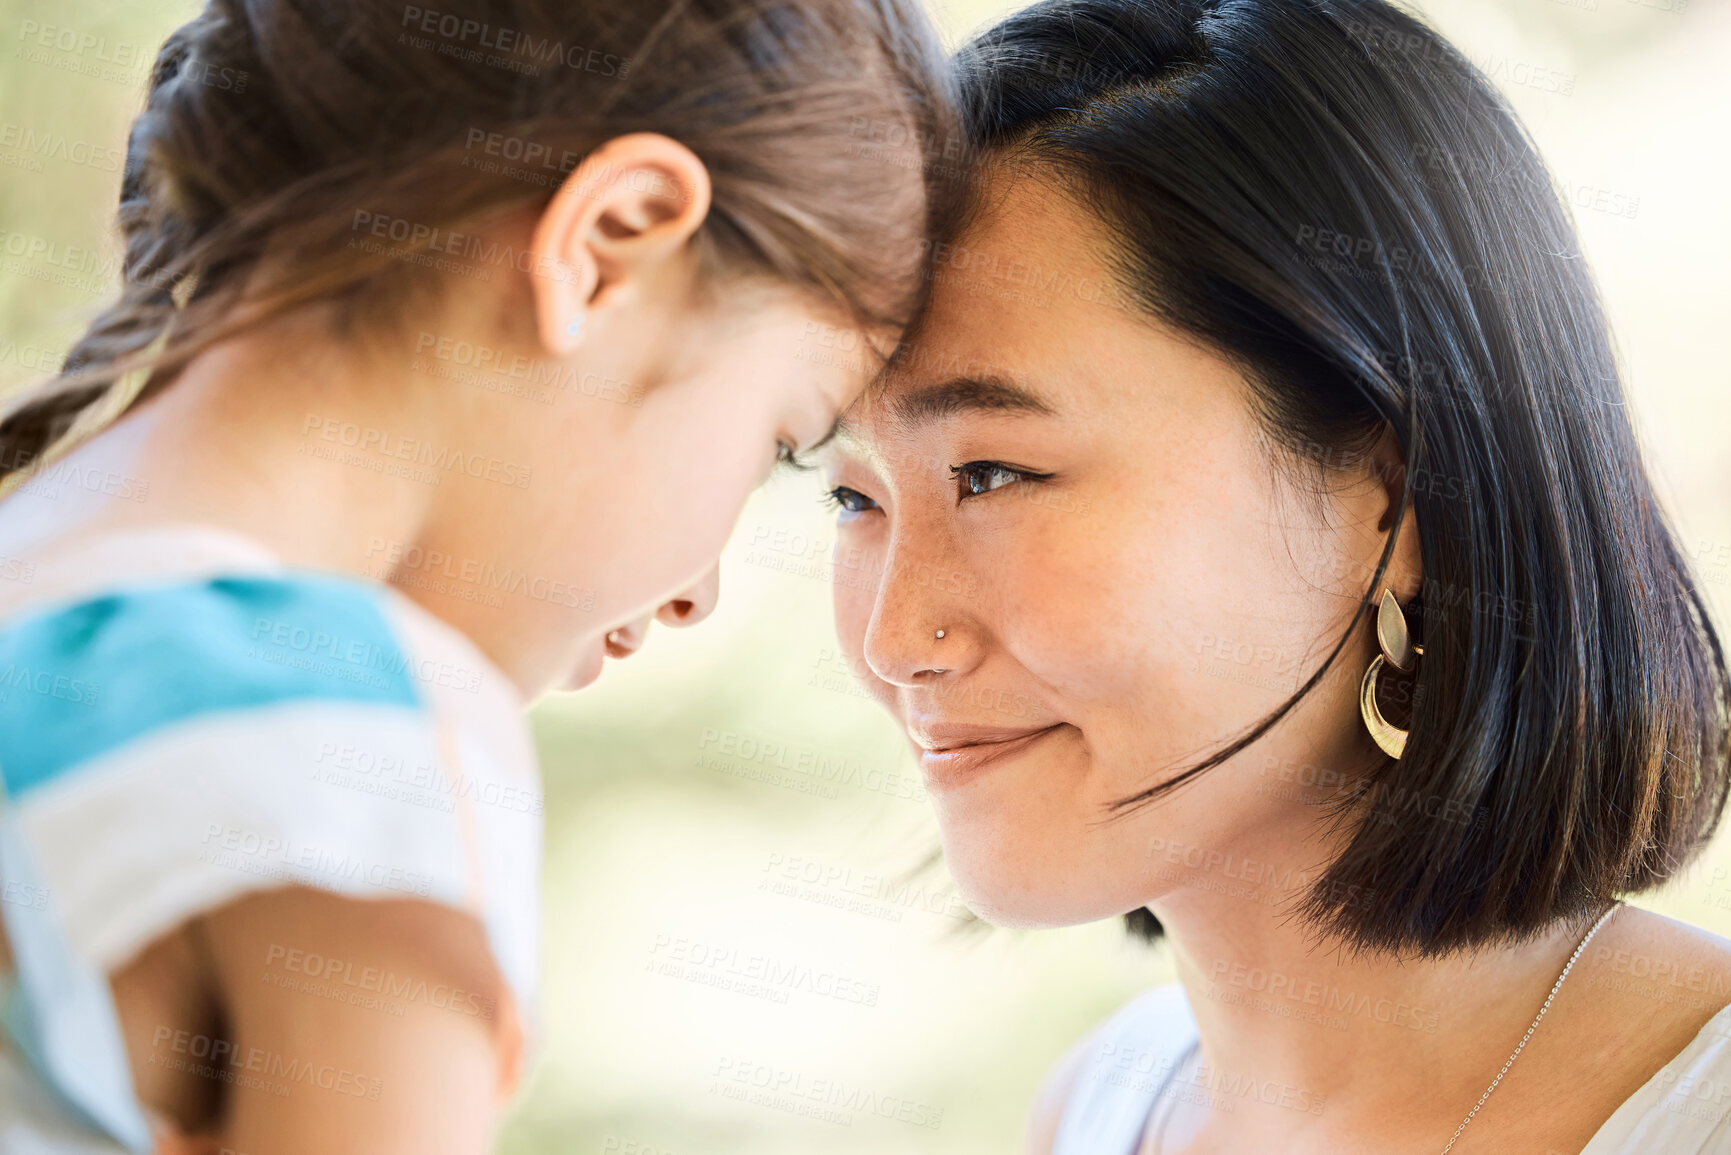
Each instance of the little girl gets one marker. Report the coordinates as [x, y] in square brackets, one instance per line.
[451, 342]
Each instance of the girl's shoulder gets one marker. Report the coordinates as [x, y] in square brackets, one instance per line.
[112, 639]
[184, 720]
[191, 730]
[1098, 1097]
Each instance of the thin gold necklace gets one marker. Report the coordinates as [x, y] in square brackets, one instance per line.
[1158, 1146]
[1557, 986]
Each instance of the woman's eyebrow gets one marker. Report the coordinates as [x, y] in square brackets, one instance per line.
[932, 402]
[961, 393]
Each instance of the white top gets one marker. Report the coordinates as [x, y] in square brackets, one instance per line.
[1144, 1059]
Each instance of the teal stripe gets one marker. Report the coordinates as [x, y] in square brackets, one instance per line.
[79, 681]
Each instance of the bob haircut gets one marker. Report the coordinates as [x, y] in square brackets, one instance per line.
[1331, 195]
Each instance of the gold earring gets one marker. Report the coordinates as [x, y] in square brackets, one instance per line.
[1399, 651]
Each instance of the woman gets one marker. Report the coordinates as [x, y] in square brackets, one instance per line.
[451, 343]
[1266, 405]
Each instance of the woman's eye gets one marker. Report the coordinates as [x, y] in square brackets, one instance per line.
[849, 500]
[977, 477]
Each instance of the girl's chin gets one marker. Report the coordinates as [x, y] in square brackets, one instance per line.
[586, 669]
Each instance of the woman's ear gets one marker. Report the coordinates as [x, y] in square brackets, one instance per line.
[1405, 566]
[632, 204]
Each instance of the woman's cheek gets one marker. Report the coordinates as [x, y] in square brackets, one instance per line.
[1086, 627]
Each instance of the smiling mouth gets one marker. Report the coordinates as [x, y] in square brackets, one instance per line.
[956, 763]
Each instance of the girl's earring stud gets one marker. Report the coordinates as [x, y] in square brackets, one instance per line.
[574, 326]
[940, 633]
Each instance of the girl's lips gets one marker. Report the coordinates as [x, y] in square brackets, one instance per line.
[617, 643]
[955, 766]
[623, 641]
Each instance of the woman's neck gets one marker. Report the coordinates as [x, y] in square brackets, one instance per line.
[1277, 1005]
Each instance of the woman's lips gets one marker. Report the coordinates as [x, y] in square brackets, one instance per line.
[957, 762]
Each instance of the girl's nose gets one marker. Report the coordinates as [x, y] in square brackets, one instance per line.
[694, 603]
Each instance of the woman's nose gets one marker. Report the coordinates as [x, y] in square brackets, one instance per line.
[920, 626]
[694, 603]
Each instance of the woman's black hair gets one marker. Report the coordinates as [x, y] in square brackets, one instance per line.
[1332, 195]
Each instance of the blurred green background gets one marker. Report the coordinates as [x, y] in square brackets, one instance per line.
[665, 838]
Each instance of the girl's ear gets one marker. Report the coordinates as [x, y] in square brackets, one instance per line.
[631, 204]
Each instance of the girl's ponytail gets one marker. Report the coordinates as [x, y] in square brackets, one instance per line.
[101, 375]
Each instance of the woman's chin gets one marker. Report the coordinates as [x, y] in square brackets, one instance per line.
[1004, 893]
[1029, 911]
[1055, 915]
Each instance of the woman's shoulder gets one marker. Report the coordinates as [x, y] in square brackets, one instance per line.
[1097, 1097]
[1670, 975]
[1684, 1108]
[1673, 979]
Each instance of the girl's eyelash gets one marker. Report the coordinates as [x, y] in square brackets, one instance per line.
[785, 456]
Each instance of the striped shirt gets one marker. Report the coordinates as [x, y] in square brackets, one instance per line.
[183, 721]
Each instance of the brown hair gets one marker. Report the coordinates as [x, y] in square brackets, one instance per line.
[273, 126]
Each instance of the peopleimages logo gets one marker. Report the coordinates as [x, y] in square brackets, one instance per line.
[506, 47]
[375, 980]
[825, 1099]
[80, 43]
[439, 458]
[273, 856]
[535, 372]
[15, 678]
[59, 146]
[219, 1058]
